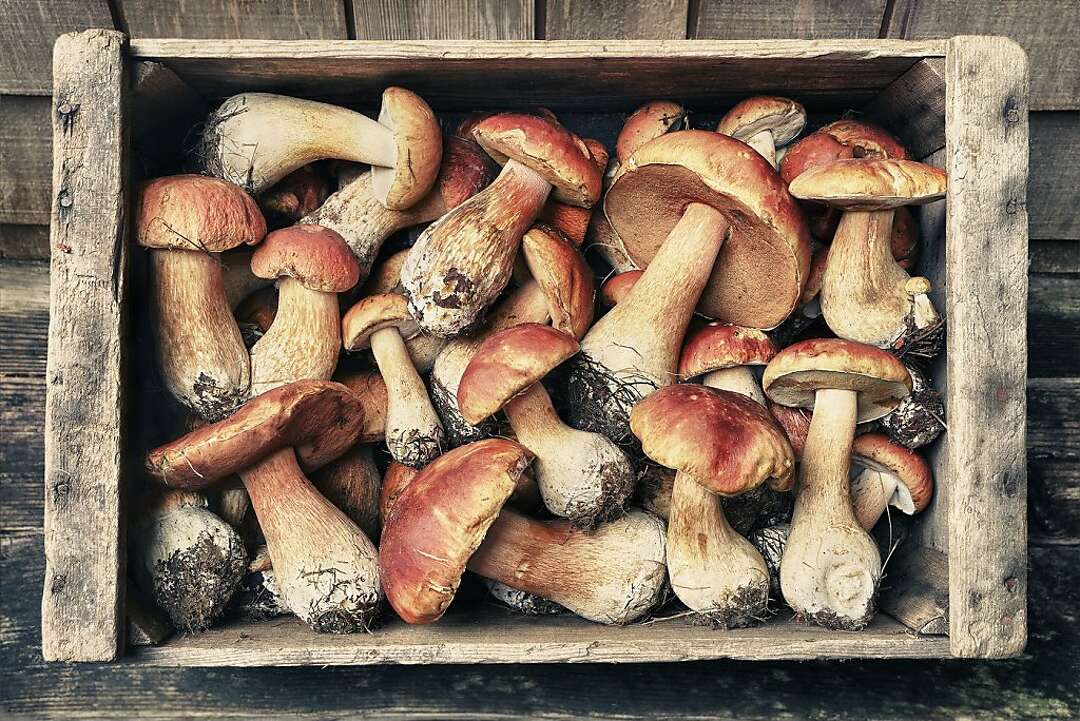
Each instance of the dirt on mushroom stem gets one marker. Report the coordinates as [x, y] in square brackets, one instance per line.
[194, 584]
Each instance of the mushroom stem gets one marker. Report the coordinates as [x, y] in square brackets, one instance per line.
[414, 433]
[326, 567]
[203, 359]
[739, 379]
[765, 144]
[582, 476]
[871, 492]
[303, 341]
[716, 572]
[831, 566]
[614, 574]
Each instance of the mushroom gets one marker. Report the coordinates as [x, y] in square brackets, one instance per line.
[352, 483]
[723, 354]
[452, 515]
[682, 204]
[314, 265]
[186, 221]
[357, 214]
[255, 314]
[719, 442]
[297, 194]
[582, 476]
[255, 139]
[573, 220]
[462, 262]
[370, 388]
[920, 418]
[618, 287]
[764, 122]
[414, 433]
[892, 476]
[865, 295]
[831, 566]
[326, 567]
[259, 597]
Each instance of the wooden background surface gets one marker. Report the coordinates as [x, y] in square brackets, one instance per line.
[1041, 684]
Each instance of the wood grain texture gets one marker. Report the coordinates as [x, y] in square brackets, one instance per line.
[443, 19]
[27, 31]
[1047, 29]
[25, 159]
[1054, 459]
[1053, 325]
[632, 19]
[1054, 187]
[82, 604]
[986, 233]
[23, 242]
[270, 19]
[915, 590]
[735, 19]
[913, 107]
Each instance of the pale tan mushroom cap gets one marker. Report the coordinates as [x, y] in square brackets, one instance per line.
[315, 256]
[374, 313]
[418, 139]
[877, 451]
[649, 121]
[871, 184]
[564, 277]
[783, 116]
[717, 346]
[196, 212]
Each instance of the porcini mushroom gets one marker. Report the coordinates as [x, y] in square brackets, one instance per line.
[573, 220]
[650, 121]
[414, 433]
[920, 418]
[462, 262]
[719, 442]
[186, 221]
[865, 295]
[256, 139]
[352, 483]
[831, 566]
[618, 287]
[713, 223]
[297, 194]
[452, 516]
[582, 476]
[723, 354]
[891, 475]
[764, 122]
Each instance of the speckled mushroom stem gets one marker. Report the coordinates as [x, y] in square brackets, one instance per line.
[714, 571]
[326, 567]
[414, 433]
[831, 566]
[614, 574]
[739, 379]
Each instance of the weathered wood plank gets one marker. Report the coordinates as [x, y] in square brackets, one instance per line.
[735, 20]
[24, 317]
[23, 242]
[583, 19]
[270, 19]
[82, 604]
[1053, 325]
[164, 111]
[986, 233]
[27, 31]
[915, 590]
[1045, 28]
[1053, 256]
[25, 158]
[1054, 187]
[913, 107]
[1054, 460]
[443, 19]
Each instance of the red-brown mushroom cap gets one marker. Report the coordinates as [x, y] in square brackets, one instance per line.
[818, 263]
[618, 286]
[904, 242]
[386, 276]
[717, 346]
[300, 192]
[418, 140]
[439, 521]
[315, 256]
[397, 478]
[370, 388]
[465, 171]
[797, 372]
[196, 212]
[374, 313]
[877, 451]
[785, 117]
[840, 140]
[796, 425]
[564, 277]
[549, 149]
[649, 121]
[725, 441]
[871, 184]
[507, 363]
[321, 419]
[758, 276]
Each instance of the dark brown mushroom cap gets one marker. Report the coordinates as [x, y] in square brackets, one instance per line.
[618, 286]
[397, 478]
[320, 419]
[840, 140]
[439, 521]
[877, 451]
[818, 263]
[871, 184]
[758, 276]
[564, 277]
[507, 363]
[547, 148]
[315, 256]
[649, 121]
[374, 313]
[725, 441]
[785, 117]
[796, 425]
[370, 388]
[797, 372]
[717, 346]
[300, 192]
[465, 171]
[418, 139]
[196, 212]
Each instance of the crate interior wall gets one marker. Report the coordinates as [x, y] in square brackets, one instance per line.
[961, 104]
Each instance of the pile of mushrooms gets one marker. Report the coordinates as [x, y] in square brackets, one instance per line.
[693, 372]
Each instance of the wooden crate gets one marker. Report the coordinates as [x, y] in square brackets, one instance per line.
[961, 104]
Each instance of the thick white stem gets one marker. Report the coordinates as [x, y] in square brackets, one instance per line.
[739, 379]
[414, 433]
[304, 341]
[871, 492]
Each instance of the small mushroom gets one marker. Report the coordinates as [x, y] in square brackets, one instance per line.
[719, 442]
[831, 566]
[891, 475]
[573, 220]
[618, 287]
[462, 262]
[255, 314]
[255, 139]
[723, 354]
[370, 388]
[414, 433]
[187, 221]
[764, 122]
[297, 194]
[582, 476]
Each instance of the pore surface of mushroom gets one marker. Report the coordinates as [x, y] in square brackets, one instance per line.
[891, 475]
[764, 122]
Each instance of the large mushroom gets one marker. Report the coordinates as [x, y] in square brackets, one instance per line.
[831, 566]
[187, 221]
[256, 139]
[865, 295]
[764, 122]
[715, 228]
[582, 476]
[452, 517]
[891, 475]
[462, 262]
[719, 442]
